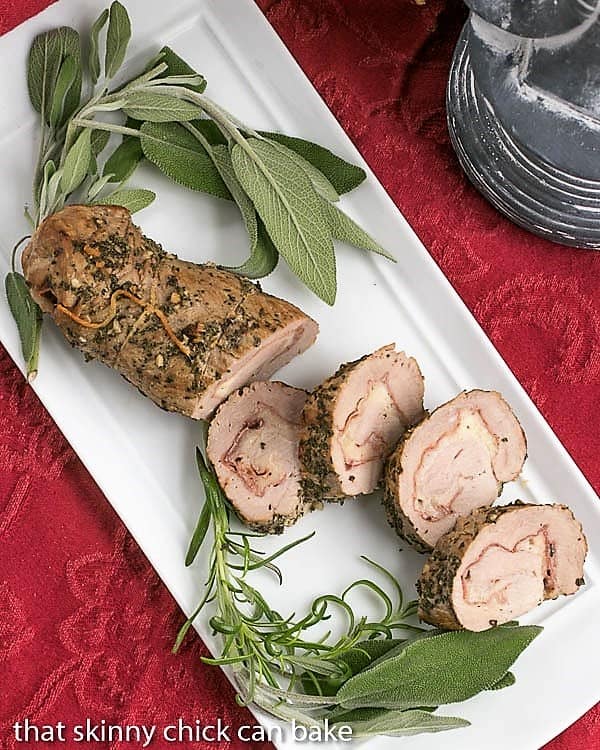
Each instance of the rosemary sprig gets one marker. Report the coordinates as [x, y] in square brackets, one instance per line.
[274, 657]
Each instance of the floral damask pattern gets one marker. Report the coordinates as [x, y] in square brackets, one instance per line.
[85, 625]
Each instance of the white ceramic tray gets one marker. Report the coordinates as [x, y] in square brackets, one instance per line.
[142, 458]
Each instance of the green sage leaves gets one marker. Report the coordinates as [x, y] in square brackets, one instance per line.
[177, 153]
[77, 162]
[286, 188]
[94, 55]
[28, 318]
[445, 668]
[399, 723]
[290, 208]
[133, 199]
[117, 38]
[157, 107]
[55, 84]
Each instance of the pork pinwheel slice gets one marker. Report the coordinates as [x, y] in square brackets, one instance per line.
[352, 422]
[253, 446]
[455, 460]
[499, 563]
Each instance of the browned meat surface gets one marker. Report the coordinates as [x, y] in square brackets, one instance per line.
[455, 460]
[253, 445]
[354, 419]
[186, 335]
[499, 563]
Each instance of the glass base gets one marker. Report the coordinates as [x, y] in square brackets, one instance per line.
[529, 190]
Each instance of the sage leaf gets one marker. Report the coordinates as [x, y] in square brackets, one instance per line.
[356, 659]
[318, 179]
[210, 130]
[48, 173]
[52, 193]
[291, 210]
[99, 141]
[64, 81]
[199, 534]
[77, 162]
[446, 668]
[179, 155]
[366, 652]
[345, 229]
[156, 107]
[71, 44]
[401, 724]
[262, 260]
[94, 55]
[117, 39]
[263, 255]
[46, 55]
[506, 681]
[340, 173]
[96, 187]
[177, 66]
[28, 318]
[123, 161]
[134, 199]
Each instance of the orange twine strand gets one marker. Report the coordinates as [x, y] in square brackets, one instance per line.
[113, 312]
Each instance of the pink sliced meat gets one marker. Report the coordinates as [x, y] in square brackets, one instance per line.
[253, 445]
[455, 460]
[354, 419]
[499, 563]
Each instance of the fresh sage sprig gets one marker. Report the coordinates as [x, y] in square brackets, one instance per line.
[26, 313]
[368, 678]
[285, 188]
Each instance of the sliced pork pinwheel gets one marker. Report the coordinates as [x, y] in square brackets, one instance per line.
[455, 460]
[253, 445]
[499, 563]
[353, 420]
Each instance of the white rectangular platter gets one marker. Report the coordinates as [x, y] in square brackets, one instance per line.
[142, 458]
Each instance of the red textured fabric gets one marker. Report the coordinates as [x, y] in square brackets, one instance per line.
[85, 625]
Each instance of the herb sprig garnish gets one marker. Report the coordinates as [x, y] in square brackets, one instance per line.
[286, 188]
[367, 678]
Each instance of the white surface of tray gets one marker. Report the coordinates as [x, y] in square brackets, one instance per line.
[142, 458]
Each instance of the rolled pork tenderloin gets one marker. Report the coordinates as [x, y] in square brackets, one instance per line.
[352, 422]
[499, 563]
[253, 446]
[455, 460]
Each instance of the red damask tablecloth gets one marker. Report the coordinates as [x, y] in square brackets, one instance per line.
[86, 627]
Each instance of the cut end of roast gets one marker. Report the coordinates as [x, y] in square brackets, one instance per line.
[253, 446]
[500, 563]
[454, 461]
[353, 420]
[275, 351]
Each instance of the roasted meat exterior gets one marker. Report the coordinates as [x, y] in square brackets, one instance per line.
[352, 422]
[455, 460]
[499, 563]
[253, 446]
[186, 335]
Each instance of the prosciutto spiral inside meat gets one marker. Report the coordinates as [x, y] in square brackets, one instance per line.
[499, 563]
[354, 419]
[253, 445]
[455, 460]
